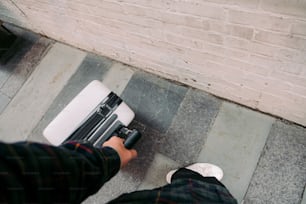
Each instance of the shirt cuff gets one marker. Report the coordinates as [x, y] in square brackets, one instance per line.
[113, 160]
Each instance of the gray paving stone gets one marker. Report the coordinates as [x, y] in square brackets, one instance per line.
[147, 147]
[4, 75]
[92, 68]
[304, 197]
[235, 143]
[32, 101]
[25, 40]
[10, 62]
[4, 100]
[280, 176]
[123, 182]
[156, 175]
[154, 100]
[11, 13]
[25, 66]
[190, 126]
[118, 77]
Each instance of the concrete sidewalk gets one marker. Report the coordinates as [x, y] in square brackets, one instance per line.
[263, 158]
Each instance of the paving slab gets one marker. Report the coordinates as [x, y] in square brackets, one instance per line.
[304, 197]
[280, 176]
[16, 56]
[4, 75]
[4, 100]
[235, 143]
[25, 65]
[156, 175]
[188, 132]
[118, 77]
[25, 39]
[154, 100]
[93, 67]
[39, 91]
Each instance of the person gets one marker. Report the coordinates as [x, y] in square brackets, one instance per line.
[40, 173]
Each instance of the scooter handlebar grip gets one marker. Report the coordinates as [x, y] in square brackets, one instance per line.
[132, 139]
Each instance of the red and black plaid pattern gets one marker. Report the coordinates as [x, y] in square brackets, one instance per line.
[38, 173]
[185, 191]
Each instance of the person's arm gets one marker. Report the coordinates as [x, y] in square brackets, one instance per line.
[32, 172]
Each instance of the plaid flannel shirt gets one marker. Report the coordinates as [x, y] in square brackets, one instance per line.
[39, 173]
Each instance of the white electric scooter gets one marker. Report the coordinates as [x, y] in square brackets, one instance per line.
[94, 115]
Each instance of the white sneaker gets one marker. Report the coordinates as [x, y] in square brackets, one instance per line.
[204, 169]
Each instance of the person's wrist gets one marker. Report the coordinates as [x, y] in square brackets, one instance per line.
[126, 155]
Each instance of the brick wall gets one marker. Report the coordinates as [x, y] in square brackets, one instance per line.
[249, 51]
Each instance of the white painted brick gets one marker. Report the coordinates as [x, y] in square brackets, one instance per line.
[297, 99]
[298, 90]
[277, 87]
[234, 42]
[291, 55]
[266, 98]
[204, 47]
[254, 81]
[292, 68]
[134, 10]
[293, 7]
[196, 22]
[247, 95]
[164, 5]
[183, 19]
[222, 71]
[217, 26]
[248, 66]
[294, 79]
[240, 3]
[185, 42]
[299, 28]
[210, 81]
[211, 53]
[235, 53]
[165, 56]
[263, 49]
[199, 8]
[200, 58]
[284, 40]
[235, 49]
[260, 20]
[202, 35]
[10, 13]
[287, 54]
[110, 6]
[240, 31]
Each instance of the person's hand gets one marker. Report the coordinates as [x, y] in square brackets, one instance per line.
[125, 154]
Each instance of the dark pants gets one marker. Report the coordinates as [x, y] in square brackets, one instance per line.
[186, 187]
[188, 174]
